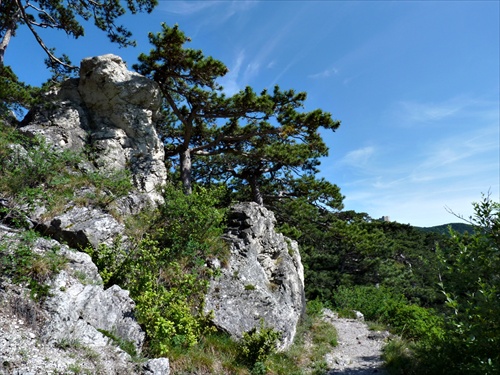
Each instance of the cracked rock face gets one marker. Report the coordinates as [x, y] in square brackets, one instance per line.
[264, 278]
[110, 112]
[67, 330]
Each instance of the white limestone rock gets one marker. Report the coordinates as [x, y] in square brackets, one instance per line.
[264, 278]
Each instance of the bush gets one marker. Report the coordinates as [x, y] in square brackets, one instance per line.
[34, 173]
[471, 283]
[257, 345]
[166, 271]
[375, 303]
[22, 265]
[414, 322]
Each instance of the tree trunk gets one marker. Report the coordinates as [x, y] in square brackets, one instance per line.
[11, 26]
[256, 194]
[185, 160]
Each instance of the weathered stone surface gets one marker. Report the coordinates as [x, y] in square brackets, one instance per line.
[80, 227]
[62, 334]
[157, 366]
[110, 111]
[264, 279]
[79, 305]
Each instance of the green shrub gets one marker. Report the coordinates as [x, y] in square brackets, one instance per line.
[414, 322]
[21, 264]
[314, 308]
[191, 225]
[398, 357]
[375, 303]
[257, 345]
[166, 272]
[33, 173]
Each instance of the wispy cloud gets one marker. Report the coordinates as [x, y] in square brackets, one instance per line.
[190, 8]
[415, 112]
[459, 155]
[419, 113]
[325, 73]
[231, 79]
[207, 15]
[187, 8]
[358, 158]
[450, 171]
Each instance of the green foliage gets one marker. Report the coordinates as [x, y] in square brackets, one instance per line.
[414, 322]
[374, 303]
[381, 304]
[314, 308]
[166, 272]
[22, 265]
[15, 95]
[466, 339]
[257, 345]
[215, 353]
[445, 228]
[471, 283]
[251, 138]
[398, 357]
[34, 173]
[345, 248]
[68, 15]
[127, 346]
[192, 225]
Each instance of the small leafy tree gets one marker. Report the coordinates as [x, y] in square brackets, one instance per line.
[257, 345]
[470, 281]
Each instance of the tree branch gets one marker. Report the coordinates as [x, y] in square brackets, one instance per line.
[39, 39]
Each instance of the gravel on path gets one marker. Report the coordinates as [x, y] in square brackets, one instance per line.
[358, 351]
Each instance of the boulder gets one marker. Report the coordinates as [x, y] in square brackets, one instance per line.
[263, 279]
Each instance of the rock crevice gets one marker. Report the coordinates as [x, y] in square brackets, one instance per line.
[264, 278]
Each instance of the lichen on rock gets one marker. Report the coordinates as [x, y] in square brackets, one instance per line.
[263, 280]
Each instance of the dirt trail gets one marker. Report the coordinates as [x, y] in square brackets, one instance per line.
[359, 349]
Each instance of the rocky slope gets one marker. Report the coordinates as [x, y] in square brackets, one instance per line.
[77, 326]
[70, 328]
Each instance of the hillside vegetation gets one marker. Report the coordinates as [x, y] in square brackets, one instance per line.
[444, 229]
[439, 292]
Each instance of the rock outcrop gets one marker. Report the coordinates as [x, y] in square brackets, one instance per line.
[109, 113]
[73, 328]
[264, 278]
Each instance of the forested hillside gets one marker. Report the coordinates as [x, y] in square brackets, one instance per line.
[444, 229]
[439, 290]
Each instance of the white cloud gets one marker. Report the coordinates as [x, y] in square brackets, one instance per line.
[450, 171]
[359, 157]
[426, 112]
[325, 73]
[187, 8]
[230, 80]
[419, 113]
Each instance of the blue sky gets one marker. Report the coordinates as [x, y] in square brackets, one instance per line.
[415, 84]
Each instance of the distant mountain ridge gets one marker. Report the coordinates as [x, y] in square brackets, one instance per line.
[443, 229]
